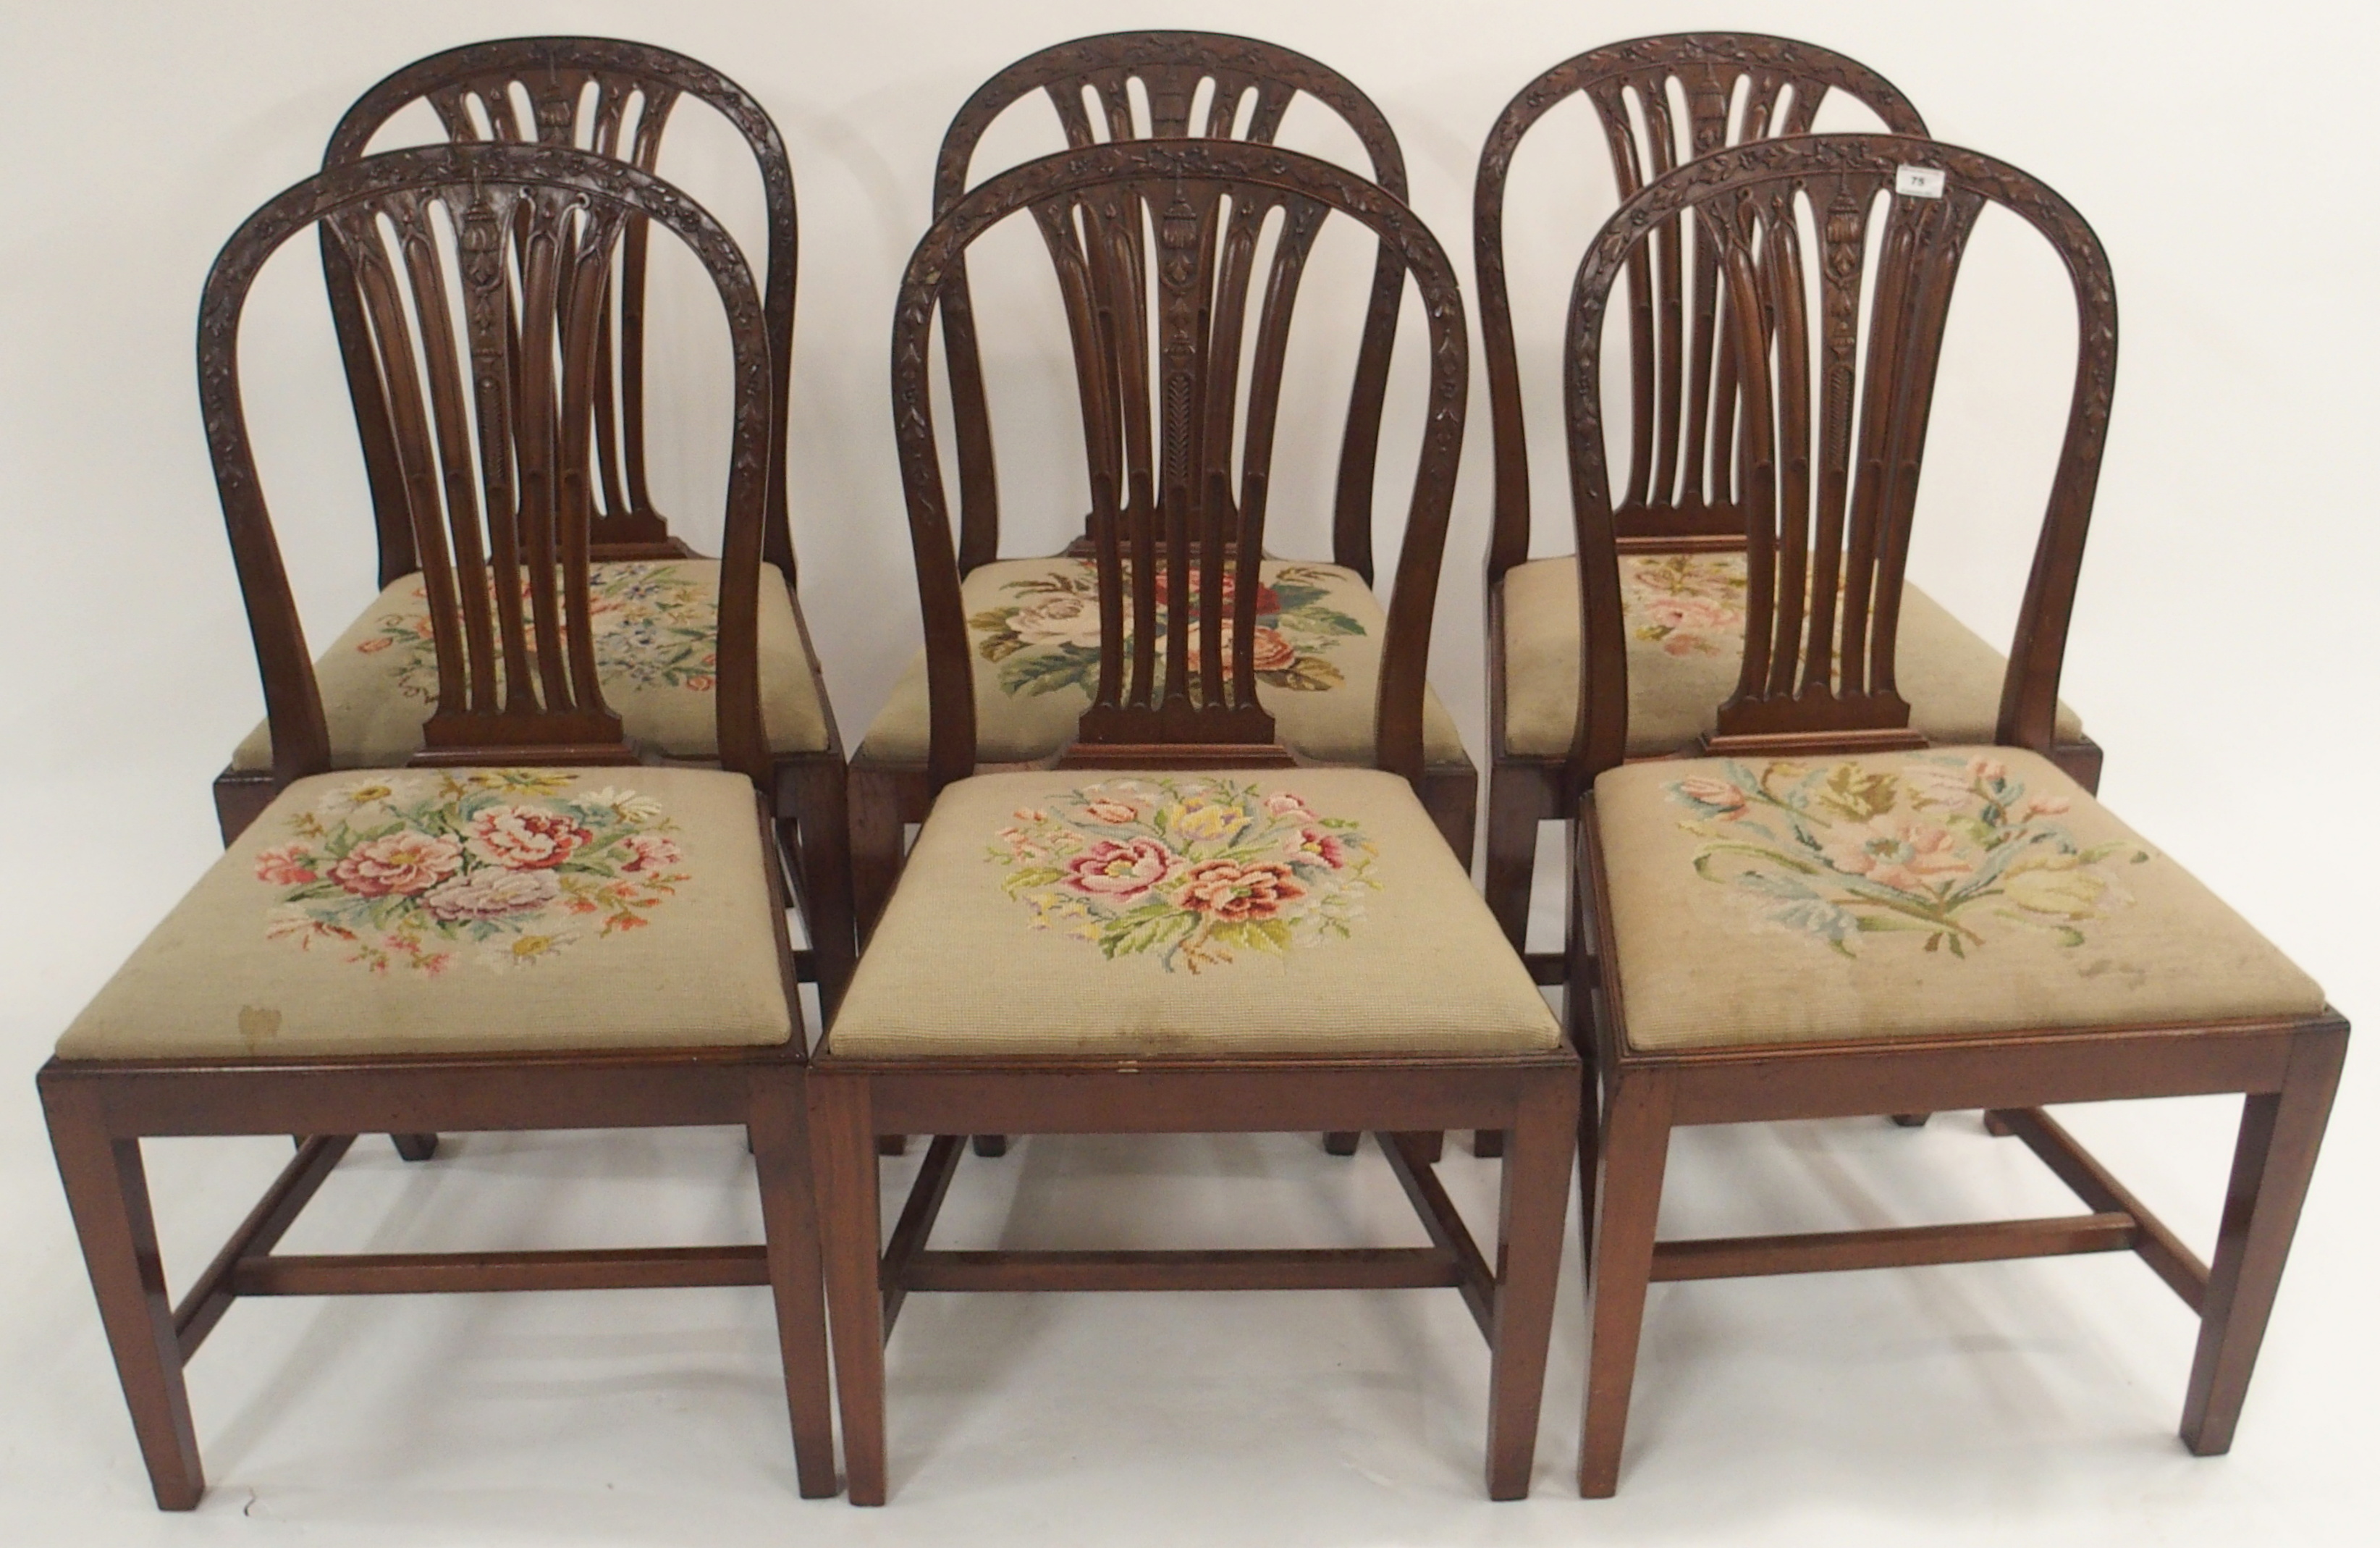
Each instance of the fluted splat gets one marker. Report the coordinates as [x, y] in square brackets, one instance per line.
[616, 100]
[1660, 103]
[1836, 368]
[480, 275]
[1247, 87]
[1176, 523]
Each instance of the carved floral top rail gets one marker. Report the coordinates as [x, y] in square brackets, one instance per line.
[1250, 86]
[616, 99]
[1660, 102]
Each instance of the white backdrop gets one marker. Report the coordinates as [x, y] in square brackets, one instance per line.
[2224, 635]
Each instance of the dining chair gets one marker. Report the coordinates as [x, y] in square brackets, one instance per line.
[657, 600]
[1030, 617]
[1181, 926]
[1659, 103]
[521, 927]
[1824, 911]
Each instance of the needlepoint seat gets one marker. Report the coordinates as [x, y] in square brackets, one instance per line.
[1033, 626]
[1957, 890]
[1685, 619]
[1091, 911]
[655, 655]
[464, 910]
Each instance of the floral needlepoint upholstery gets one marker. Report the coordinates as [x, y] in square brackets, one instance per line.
[454, 910]
[1273, 911]
[1960, 889]
[1684, 621]
[1191, 869]
[1034, 625]
[656, 648]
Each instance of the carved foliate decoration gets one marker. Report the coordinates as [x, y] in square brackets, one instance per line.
[503, 540]
[1250, 86]
[616, 99]
[1827, 504]
[1681, 470]
[1165, 501]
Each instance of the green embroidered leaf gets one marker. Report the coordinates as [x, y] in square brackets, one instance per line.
[1307, 675]
[1329, 620]
[1857, 794]
[1037, 673]
[1026, 880]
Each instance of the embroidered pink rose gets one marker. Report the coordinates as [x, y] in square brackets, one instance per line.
[525, 837]
[399, 863]
[1233, 892]
[286, 866]
[492, 893]
[650, 852]
[1273, 651]
[1683, 625]
[1727, 799]
[1267, 600]
[377, 643]
[1114, 814]
[1318, 847]
[1898, 850]
[1122, 873]
[1067, 618]
[1288, 807]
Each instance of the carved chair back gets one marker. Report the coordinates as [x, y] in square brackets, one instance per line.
[1250, 86]
[1169, 518]
[616, 99]
[479, 277]
[1661, 101]
[1836, 371]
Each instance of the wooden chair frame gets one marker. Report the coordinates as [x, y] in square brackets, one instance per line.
[574, 85]
[1085, 201]
[2288, 1068]
[1782, 83]
[1258, 81]
[98, 1111]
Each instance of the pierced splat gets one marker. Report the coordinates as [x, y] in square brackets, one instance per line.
[616, 99]
[1172, 518]
[1250, 86]
[1660, 102]
[1836, 377]
[480, 274]
[501, 556]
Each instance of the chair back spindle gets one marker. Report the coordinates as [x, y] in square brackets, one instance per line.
[1250, 86]
[1835, 371]
[1661, 101]
[1171, 517]
[481, 275]
[615, 99]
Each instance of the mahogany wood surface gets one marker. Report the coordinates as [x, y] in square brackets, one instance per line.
[488, 383]
[1249, 86]
[1826, 495]
[1683, 491]
[1166, 497]
[616, 99]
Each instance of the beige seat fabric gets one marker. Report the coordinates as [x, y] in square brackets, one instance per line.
[1274, 912]
[656, 639]
[1962, 889]
[1684, 616]
[464, 910]
[1035, 627]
